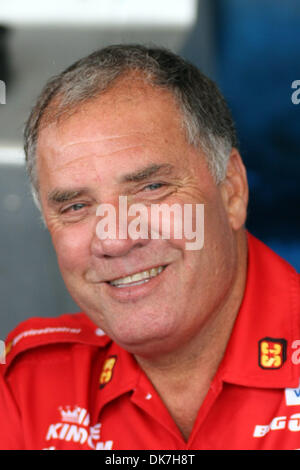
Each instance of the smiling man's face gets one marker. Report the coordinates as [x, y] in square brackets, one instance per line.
[130, 142]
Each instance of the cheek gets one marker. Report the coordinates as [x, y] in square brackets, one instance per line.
[219, 247]
[217, 224]
[201, 226]
[182, 224]
[72, 246]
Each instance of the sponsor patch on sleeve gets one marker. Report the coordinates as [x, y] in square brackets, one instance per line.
[271, 352]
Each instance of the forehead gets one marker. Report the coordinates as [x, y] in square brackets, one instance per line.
[131, 119]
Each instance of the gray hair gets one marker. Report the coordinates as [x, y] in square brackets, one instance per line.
[205, 114]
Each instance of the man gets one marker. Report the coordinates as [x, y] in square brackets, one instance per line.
[177, 348]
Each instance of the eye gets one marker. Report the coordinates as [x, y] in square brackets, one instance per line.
[74, 207]
[153, 186]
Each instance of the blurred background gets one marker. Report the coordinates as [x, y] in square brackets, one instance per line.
[249, 47]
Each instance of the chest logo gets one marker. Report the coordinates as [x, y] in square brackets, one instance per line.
[271, 352]
[74, 427]
[107, 370]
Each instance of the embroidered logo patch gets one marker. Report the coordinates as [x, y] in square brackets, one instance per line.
[271, 352]
[107, 371]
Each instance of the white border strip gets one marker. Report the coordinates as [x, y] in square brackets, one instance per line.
[180, 13]
[12, 155]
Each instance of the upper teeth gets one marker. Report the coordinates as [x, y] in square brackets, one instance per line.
[138, 276]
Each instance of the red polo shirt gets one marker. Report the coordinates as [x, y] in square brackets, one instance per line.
[66, 385]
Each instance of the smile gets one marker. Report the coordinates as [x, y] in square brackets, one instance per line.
[137, 278]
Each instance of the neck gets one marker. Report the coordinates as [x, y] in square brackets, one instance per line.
[184, 375]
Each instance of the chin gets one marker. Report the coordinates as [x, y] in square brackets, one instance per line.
[142, 337]
[145, 347]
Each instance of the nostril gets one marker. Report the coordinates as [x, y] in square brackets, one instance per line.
[139, 245]
[115, 247]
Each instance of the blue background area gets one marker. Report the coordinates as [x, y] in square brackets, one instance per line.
[258, 58]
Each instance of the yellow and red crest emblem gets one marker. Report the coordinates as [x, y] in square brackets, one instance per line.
[272, 353]
[107, 370]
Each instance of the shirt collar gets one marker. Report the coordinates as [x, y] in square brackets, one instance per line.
[269, 314]
[119, 374]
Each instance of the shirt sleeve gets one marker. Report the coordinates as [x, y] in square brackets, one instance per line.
[11, 437]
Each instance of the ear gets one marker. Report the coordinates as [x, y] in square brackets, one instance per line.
[234, 191]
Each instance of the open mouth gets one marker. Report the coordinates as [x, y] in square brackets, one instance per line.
[137, 278]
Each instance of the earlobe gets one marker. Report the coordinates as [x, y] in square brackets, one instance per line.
[234, 191]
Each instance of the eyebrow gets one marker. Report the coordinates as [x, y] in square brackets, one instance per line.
[57, 196]
[146, 172]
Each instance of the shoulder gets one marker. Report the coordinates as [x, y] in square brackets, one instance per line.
[275, 279]
[265, 259]
[36, 334]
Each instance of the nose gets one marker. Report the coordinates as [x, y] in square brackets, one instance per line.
[114, 239]
[115, 247]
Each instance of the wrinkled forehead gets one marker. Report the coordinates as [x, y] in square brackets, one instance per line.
[122, 132]
[130, 93]
[131, 114]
